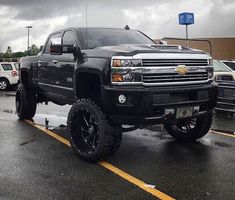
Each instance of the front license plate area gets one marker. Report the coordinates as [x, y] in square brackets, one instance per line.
[184, 112]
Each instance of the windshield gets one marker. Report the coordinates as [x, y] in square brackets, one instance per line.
[220, 67]
[112, 37]
[230, 64]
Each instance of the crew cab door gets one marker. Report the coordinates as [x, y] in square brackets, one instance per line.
[65, 65]
[47, 69]
[56, 71]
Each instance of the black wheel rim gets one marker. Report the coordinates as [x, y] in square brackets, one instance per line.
[86, 132]
[185, 126]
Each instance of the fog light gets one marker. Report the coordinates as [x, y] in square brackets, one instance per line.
[122, 98]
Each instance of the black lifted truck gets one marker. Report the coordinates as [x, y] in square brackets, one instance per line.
[117, 80]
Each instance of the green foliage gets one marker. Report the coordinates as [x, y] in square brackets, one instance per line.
[8, 52]
[34, 50]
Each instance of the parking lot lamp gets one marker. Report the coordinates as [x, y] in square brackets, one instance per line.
[28, 27]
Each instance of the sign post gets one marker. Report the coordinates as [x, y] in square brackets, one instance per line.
[186, 19]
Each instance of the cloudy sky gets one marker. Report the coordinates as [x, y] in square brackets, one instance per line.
[157, 18]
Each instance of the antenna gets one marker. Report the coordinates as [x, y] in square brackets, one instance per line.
[86, 27]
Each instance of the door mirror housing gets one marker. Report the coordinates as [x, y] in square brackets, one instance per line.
[57, 48]
[163, 42]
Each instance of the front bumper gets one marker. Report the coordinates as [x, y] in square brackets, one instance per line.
[154, 105]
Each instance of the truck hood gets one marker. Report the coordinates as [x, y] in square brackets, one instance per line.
[140, 50]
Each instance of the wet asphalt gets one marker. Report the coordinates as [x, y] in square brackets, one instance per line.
[35, 166]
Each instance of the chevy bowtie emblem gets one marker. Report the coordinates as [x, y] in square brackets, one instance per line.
[181, 69]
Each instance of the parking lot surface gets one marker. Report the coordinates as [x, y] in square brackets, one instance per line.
[34, 165]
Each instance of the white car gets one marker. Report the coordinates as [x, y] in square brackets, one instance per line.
[222, 72]
[8, 75]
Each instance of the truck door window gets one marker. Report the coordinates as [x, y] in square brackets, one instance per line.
[47, 49]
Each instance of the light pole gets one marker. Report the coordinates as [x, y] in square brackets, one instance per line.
[28, 27]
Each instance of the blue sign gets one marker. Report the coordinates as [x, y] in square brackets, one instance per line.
[186, 18]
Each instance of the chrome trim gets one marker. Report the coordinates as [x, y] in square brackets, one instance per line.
[127, 83]
[177, 75]
[177, 83]
[55, 86]
[227, 110]
[167, 55]
[164, 73]
[173, 62]
[162, 84]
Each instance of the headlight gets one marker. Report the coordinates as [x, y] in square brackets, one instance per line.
[126, 63]
[210, 62]
[210, 75]
[126, 71]
[210, 71]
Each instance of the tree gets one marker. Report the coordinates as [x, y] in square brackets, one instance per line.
[8, 52]
[18, 54]
[34, 50]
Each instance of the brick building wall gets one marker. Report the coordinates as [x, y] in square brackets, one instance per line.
[222, 48]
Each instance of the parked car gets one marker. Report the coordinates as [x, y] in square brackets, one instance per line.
[8, 75]
[229, 63]
[222, 72]
[16, 65]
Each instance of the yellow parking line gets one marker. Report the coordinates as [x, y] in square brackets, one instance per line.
[56, 136]
[119, 172]
[221, 133]
[135, 181]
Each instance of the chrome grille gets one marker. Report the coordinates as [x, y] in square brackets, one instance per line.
[174, 77]
[173, 62]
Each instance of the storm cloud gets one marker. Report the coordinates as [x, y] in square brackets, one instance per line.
[157, 18]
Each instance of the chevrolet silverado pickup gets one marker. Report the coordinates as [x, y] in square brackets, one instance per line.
[117, 80]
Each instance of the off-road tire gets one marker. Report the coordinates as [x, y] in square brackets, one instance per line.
[4, 84]
[189, 131]
[26, 104]
[92, 139]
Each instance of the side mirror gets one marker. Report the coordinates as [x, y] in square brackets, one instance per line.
[163, 42]
[57, 48]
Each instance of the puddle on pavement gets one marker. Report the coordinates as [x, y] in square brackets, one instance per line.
[50, 121]
[211, 142]
[4, 94]
[221, 122]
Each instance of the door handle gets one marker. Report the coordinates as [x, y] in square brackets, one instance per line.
[55, 61]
